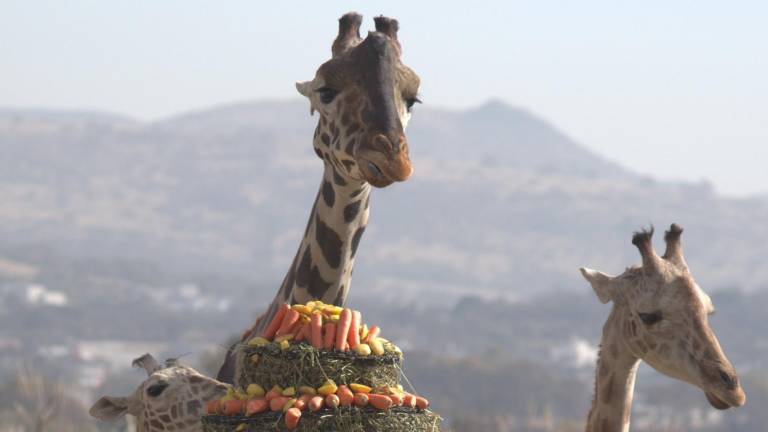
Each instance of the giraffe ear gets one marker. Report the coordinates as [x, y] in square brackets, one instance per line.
[601, 283]
[109, 407]
[304, 87]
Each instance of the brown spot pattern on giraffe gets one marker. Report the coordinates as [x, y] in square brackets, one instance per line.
[329, 242]
[308, 276]
[356, 240]
[329, 195]
[351, 211]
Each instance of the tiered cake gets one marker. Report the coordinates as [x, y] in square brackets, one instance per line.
[317, 367]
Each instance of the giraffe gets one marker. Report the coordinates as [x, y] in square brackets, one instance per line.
[364, 95]
[172, 398]
[660, 316]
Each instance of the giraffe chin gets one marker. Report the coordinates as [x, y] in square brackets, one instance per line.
[723, 402]
[716, 402]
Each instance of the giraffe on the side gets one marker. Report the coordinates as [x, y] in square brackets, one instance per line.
[364, 96]
[660, 316]
[172, 398]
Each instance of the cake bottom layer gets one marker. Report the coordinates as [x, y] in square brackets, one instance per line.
[349, 419]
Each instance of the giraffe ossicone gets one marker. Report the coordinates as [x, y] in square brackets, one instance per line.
[364, 96]
[173, 397]
[660, 316]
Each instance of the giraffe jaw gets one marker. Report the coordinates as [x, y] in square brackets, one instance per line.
[724, 401]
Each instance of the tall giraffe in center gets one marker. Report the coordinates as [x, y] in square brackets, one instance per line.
[363, 95]
[660, 316]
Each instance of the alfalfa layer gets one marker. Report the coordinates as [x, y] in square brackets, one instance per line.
[303, 365]
[349, 419]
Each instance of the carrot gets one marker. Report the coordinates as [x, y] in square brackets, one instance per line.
[290, 318]
[330, 334]
[372, 333]
[256, 406]
[421, 403]
[316, 403]
[301, 334]
[361, 399]
[274, 393]
[379, 401]
[342, 329]
[409, 400]
[292, 417]
[233, 406]
[332, 401]
[345, 396]
[316, 330]
[397, 399]
[274, 325]
[354, 335]
[302, 402]
[277, 404]
[213, 407]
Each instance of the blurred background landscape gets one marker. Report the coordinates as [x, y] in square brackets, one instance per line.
[119, 237]
[131, 222]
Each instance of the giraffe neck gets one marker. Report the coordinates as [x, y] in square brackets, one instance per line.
[614, 383]
[322, 267]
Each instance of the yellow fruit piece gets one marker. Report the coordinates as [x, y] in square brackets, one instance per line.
[311, 304]
[363, 349]
[288, 405]
[258, 341]
[329, 387]
[376, 346]
[255, 359]
[277, 389]
[227, 397]
[231, 392]
[363, 331]
[394, 390]
[284, 345]
[255, 390]
[333, 310]
[360, 388]
[241, 427]
[307, 390]
[289, 391]
[285, 337]
[302, 309]
[240, 395]
[400, 388]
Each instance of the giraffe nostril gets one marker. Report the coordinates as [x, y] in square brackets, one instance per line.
[730, 381]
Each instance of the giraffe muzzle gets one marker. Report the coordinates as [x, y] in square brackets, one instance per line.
[384, 163]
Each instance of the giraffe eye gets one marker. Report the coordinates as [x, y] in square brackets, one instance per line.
[327, 94]
[156, 390]
[410, 102]
[650, 318]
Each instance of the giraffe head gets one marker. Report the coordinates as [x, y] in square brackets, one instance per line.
[364, 95]
[173, 397]
[660, 315]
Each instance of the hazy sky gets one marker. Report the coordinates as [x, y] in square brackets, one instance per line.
[676, 89]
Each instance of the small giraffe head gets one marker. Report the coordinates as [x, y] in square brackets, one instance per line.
[660, 315]
[364, 95]
[173, 397]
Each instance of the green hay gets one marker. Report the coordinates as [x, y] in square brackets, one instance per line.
[302, 364]
[349, 419]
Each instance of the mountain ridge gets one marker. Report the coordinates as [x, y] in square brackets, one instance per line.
[501, 201]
